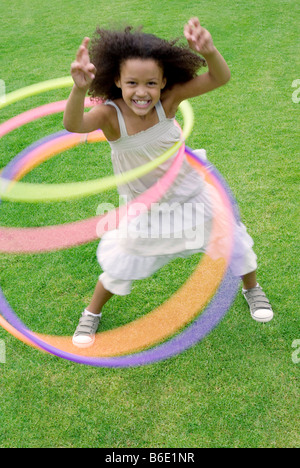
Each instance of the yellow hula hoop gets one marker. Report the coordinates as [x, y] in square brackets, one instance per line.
[36, 193]
[37, 88]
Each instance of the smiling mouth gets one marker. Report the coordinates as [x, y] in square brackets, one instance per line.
[141, 103]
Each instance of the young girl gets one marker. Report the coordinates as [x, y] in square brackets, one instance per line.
[143, 79]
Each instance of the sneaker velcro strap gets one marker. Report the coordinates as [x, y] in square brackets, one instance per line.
[261, 305]
[87, 325]
[257, 299]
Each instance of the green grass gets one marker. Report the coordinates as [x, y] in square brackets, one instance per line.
[237, 388]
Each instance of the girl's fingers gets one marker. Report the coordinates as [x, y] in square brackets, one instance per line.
[86, 41]
[79, 54]
[196, 34]
[193, 30]
[194, 22]
[198, 37]
[92, 71]
[75, 66]
[87, 71]
[91, 67]
[187, 32]
[83, 49]
[82, 70]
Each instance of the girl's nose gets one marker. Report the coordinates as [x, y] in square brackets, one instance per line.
[141, 92]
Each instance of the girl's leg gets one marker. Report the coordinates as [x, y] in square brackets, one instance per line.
[249, 280]
[106, 287]
[84, 335]
[100, 297]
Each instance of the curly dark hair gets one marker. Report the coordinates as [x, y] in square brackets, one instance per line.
[109, 49]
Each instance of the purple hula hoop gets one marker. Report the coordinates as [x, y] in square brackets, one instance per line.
[195, 332]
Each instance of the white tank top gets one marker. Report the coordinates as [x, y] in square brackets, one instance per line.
[131, 151]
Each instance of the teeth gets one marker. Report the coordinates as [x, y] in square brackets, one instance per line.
[142, 103]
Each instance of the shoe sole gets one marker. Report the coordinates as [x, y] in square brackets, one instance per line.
[83, 345]
[262, 320]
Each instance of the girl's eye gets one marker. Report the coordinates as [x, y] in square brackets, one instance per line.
[133, 83]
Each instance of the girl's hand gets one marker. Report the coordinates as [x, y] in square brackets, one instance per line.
[199, 39]
[82, 70]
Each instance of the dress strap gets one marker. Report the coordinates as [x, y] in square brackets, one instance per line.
[160, 111]
[122, 125]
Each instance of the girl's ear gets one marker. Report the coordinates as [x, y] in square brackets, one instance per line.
[118, 83]
[164, 82]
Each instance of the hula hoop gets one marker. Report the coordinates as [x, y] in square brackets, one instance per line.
[203, 325]
[37, 88]
[45, 239]
[35, 114]
[31, 240]
[212, 315]
[35, 193]
[49, 238]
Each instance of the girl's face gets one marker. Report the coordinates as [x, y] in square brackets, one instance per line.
[141, 82]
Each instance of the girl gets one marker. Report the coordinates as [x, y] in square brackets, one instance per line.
[143, 79]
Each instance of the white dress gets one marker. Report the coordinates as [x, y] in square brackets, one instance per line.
[178, 226]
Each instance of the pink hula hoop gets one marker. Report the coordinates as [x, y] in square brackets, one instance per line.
[49, 238]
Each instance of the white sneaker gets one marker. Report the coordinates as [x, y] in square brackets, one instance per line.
[84, 335]
[260, 308]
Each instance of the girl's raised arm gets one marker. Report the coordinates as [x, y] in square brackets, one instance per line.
[218, 74]
[82, 70]
[83, 73]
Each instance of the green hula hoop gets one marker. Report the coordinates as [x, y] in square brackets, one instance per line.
[37, 88]
[36, 193]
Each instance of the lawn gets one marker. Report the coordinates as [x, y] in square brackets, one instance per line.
[239, 387]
